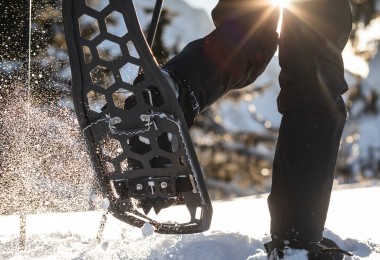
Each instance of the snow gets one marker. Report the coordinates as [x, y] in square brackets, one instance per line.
[240, 226]
[362, 125]
[372, 82]
[147, 230]
[292, 254]
[105, 204]
[8, 67]
[183, 19]
[238, 231]
[182, 16]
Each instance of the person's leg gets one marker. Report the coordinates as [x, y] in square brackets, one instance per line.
[303, 173]
[313, 36]
[230, 57]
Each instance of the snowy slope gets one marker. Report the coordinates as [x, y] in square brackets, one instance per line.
[238, 230]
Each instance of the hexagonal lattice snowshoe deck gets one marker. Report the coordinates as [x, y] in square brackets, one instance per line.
[135, 133]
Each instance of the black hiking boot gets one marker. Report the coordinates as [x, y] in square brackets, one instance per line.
[185, 95]
[182, 90]
[324, 250]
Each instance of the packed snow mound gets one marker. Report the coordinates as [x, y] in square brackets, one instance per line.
[239, 229]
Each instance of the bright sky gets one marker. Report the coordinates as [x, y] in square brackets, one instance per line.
[208, 5]
[205, 4]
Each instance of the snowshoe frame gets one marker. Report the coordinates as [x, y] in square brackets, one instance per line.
[146, 113]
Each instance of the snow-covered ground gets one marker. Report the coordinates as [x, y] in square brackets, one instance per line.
[239, 228]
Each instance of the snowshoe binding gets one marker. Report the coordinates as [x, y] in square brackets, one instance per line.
[136, 134]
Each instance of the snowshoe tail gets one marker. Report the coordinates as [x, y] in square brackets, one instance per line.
[136, 134]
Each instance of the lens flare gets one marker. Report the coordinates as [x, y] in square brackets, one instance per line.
[280, 3]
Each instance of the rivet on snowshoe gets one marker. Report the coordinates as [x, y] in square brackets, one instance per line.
[115, 120]
[139, 187]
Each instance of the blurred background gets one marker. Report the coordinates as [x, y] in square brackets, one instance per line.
[43, 161]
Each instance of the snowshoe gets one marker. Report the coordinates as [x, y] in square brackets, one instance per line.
[136, 134]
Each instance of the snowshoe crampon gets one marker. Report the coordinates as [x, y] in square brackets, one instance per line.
[135, 133]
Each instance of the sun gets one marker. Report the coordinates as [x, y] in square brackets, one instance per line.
[280, 3]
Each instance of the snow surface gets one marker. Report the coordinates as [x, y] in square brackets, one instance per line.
[238, 231]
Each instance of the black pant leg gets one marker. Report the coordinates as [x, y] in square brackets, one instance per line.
[303, 172]
[233, 55]
[313, 36]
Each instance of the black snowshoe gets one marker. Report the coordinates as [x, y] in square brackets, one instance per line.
[136, 134]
